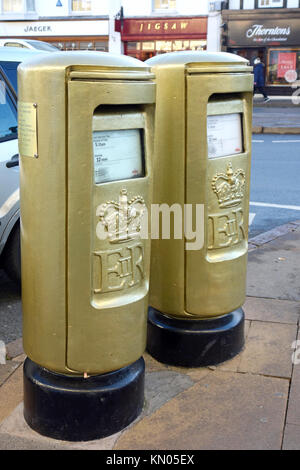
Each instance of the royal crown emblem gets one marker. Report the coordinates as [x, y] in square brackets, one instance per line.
[229, 187]
[121, 221]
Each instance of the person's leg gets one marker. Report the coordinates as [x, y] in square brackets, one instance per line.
[262, 91]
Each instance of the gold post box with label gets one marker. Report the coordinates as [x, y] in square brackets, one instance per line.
[201, 176]
[86, 124]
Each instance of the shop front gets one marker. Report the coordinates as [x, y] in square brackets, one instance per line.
[272, 36]
[144, 38]
[66, 34]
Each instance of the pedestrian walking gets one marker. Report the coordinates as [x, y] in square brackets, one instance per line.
[259, 78]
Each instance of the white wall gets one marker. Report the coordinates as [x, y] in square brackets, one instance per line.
[249, 4]
[114, 42]
[132, 8]
[48, 8]
[234, 4]
[214, 31]
[137, 7]
[292, 3]
[183, 7]
[192, 7]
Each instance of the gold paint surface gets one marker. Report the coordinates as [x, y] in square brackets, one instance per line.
[210, 281]
[27, 129]
[75, 320]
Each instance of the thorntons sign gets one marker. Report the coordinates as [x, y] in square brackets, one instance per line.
[260, 33]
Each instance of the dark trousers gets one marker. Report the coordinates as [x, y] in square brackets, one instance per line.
[260, 89]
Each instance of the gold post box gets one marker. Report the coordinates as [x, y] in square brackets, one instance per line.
[201, 164]
[85, 141]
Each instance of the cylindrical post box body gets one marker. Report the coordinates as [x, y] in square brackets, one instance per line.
[202, 165]
[86, 131]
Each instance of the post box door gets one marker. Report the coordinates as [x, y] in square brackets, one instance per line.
[215, 275]
[107, 284]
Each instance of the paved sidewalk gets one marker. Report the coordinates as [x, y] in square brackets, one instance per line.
[250, 402]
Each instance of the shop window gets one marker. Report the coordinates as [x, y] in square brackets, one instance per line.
[234, 4]
[89, 45]
[270, 4]
[101, 46]
[12, 6]
[164, 5]
[133, 46]
[248, 5]
[283, 66]
[148, 46]
[165, 46]
[30, 6]
[79, 6]
[197, 45]
[18, 6]
[145, 50]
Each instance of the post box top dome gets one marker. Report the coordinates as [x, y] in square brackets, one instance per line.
[189, 57]
[85, 58]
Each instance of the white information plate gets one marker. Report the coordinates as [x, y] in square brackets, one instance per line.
[224, 135]
[118, 155]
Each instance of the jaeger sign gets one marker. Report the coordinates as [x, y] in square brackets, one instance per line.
[260, 32]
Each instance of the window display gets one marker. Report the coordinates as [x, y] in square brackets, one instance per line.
[282, 65]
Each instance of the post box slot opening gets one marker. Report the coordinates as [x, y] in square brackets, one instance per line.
[118, 143]
[225, 125]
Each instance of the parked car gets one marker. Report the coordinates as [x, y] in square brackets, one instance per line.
[28, 44]
[10, 258]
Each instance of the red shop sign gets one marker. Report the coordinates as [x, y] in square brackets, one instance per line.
[144, 28]
[286, 61]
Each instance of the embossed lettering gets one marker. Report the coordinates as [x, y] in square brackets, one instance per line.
[118, 269]
[226, 229]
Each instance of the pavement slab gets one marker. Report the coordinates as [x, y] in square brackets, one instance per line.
[224, 411]
[6, 370]
[196, 373]
[15, 348]
[273, 269]
[268, 349]
[293, 411]
[272, 310]
[15, 433]
[161, 387]
[11, 393]
[291, 439]
[250, 402]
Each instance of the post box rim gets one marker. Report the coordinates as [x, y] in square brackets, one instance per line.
[195, 57]
[64, 59]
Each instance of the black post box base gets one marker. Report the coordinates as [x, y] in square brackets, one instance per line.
[81, 409]
[195, 343]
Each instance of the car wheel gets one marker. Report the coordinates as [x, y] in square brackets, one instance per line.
[12, 255]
